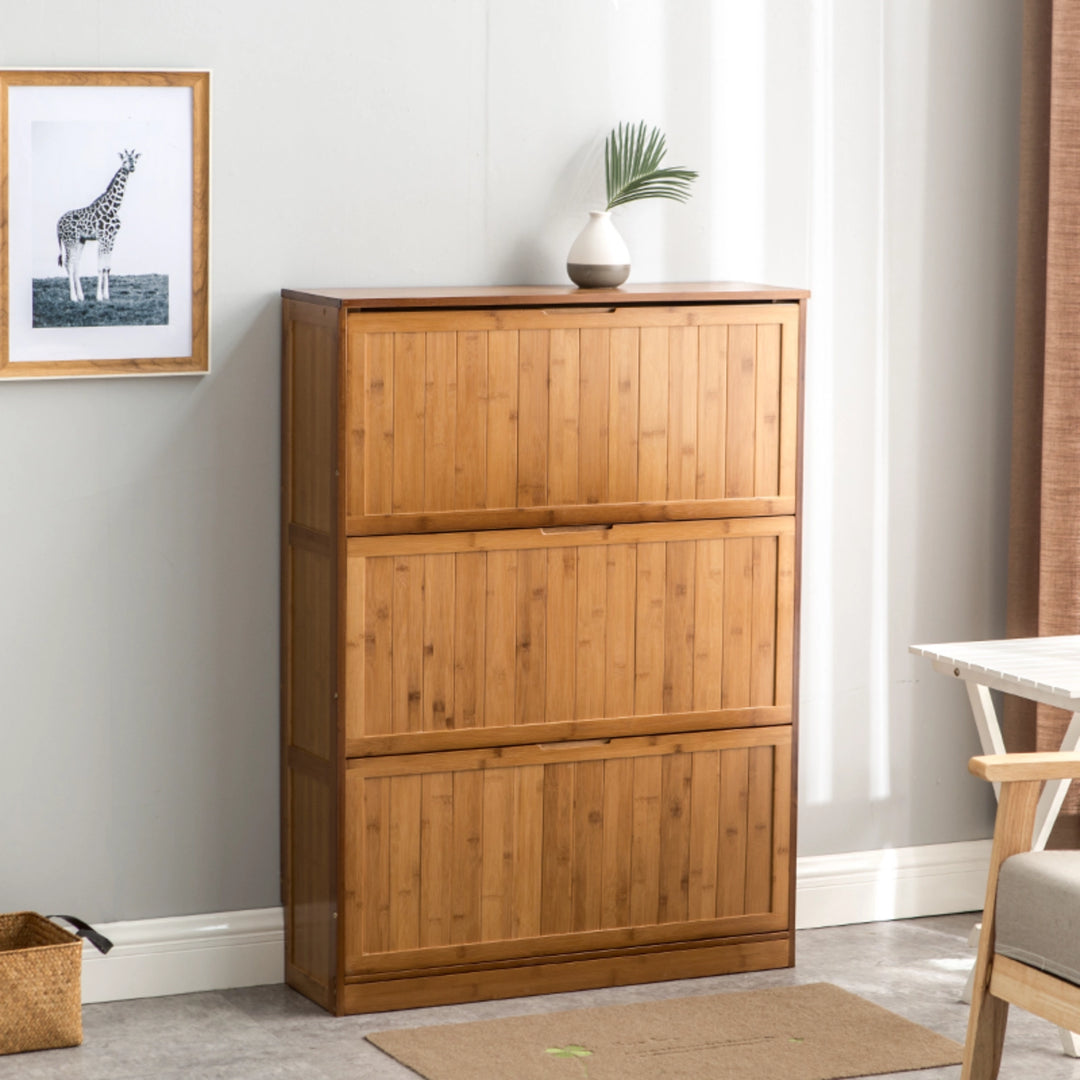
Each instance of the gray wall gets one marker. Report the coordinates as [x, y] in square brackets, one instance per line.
[864, 149]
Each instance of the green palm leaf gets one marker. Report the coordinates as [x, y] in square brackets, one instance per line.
[632, 170]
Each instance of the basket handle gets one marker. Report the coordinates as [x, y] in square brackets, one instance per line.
[85, 930]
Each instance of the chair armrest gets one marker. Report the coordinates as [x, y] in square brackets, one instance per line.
[1051, 765]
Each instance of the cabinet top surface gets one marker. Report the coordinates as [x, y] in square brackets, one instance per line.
[540, 295]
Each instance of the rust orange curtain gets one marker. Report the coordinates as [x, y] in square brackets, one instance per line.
[1044, 525]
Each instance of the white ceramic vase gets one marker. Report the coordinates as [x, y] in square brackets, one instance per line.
[599, 257]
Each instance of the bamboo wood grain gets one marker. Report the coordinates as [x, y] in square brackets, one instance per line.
[767, 404]
[563, 417]
[440, 421]
[566, 730]
[470, 448]
[436, 865]
[653, 415]
[532, 417]
[712, 412]
[502, 420]
[1056, 765]
[594, 412]
[617, 838]
[410, 374]
[390, 299]
[544, 766]
[588, 513]
[682, 412]
[546, 319]
[565, 974]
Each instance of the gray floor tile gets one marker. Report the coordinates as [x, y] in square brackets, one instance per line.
[916, 968]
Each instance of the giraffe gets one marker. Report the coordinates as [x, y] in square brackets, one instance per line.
[99, 222]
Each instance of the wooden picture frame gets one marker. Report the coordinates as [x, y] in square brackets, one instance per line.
[112, 164]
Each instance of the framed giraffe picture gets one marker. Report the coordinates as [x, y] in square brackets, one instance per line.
[104, 223]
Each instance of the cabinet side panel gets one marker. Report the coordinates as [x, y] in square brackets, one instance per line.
[310, 418]
[309, 640]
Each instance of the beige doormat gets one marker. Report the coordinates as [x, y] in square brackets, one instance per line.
[812, 1032]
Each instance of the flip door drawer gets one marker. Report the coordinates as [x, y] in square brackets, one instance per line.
[515, 418]
[488, 855]
[467, 639]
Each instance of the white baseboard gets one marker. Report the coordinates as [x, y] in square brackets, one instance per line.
[153, 957]
[895, 883]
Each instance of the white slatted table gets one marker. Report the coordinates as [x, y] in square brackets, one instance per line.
[1043, 669]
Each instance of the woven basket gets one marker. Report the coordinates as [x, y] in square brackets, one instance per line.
[40, 992]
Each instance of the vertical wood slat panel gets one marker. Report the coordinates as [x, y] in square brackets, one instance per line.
[356, 431]
[470, 647]
[502, 419]
[436, 852]
[410, 376]
[561, 659]
[738, 621]
[650, 630]
[712, 411]
[645, 843]
[619, 630]
[470, 429]
[785, 618]
[731, 865]
[682, 412]
[739, 452]
[759, 823]
[500, 636]
[767, 411]
[440, 421]
[531, 654]
[563, 420]
[532, 443]
[375, 888]
[467, 859]
[653, 415]
[618, 824]
[675, 780]
[377, 474]
[556, 908]
[355, 648]
[623, 417]
[438, 649]
[497, 896]
[679, 627]
[404, 858]
[378, 645]
[594, 375]
[708, 624]
[407, 668]
[590, 661]
[492, 854]
[312, 397]
[587, 859]
[528, 850]
[789, 403]
[763, 624]
[704, 835]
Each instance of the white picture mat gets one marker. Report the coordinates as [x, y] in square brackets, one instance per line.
[64, 144]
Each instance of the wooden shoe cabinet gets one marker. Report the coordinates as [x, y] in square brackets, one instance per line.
[539, 621]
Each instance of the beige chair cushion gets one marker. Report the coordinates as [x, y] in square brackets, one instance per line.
[1038, 913]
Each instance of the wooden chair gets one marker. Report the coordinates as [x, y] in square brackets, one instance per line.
[1029, 948]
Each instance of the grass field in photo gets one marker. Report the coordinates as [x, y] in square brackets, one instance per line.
[134, 300]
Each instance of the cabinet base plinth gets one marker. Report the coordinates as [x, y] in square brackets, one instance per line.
[561, 975]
